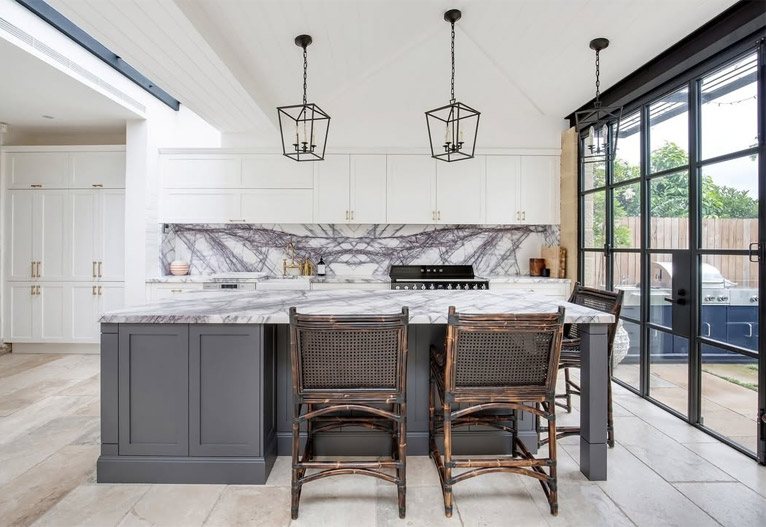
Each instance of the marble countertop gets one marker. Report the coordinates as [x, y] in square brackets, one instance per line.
[336, 279]
[506, 279]
[271, 307]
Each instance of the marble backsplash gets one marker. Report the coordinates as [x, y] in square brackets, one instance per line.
[354, 249]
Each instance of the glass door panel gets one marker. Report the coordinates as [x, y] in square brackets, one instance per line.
[730, 394]
[627, 354]
[669, 369]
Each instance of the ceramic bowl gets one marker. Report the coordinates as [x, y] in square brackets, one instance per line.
[179, 268]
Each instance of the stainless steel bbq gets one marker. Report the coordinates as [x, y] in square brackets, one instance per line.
[435, 277]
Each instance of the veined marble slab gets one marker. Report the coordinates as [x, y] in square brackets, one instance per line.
[271, 307]
[201, 278]
[524, 280]
[351, 279]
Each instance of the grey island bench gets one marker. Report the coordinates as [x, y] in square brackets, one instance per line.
[197, 389]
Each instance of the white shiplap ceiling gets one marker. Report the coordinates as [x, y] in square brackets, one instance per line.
[376, 65]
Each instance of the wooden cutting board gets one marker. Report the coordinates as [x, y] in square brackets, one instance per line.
[552, 257]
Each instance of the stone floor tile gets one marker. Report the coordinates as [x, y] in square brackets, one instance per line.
[425, 508]
[13, 363]
[29, 496]
[38, 414]
[669, 459]
[173, 506]
[90, 386]
[340, 500]
[281, 472]
[93, 506]
[734, 463]
[14, 401]
[251, 506]
[731, 504]
[646, 498]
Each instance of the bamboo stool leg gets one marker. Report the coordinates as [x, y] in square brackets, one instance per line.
[296, 487]
[553, 499]
[568, 386]
[447, 484]
[402, 472]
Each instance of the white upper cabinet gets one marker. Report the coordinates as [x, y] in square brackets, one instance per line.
[460, 191]
[411, 196]
[503, 176]
[367, 189]
[278, 205]
[98, 169]
[38, 169]
[539, 190]
[201, 206]
[275, 171]
[202, 171]
[332, 190]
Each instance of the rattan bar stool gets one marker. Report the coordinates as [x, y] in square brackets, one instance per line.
[349, 370]
[495, 363]
[609, 302]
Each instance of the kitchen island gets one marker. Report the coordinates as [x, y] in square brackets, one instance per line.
[197, 389]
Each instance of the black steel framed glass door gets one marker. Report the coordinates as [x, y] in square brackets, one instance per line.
[675, 221]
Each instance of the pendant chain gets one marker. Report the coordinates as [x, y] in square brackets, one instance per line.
[598, 81]
[305, 68]
[452, 85]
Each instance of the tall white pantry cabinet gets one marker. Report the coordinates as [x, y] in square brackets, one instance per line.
[64, 260]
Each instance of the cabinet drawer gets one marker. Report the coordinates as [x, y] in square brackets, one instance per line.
[276, 171]
[278, 206]
[202, 206]
[202, 172]
[98, 169]
[49, 169]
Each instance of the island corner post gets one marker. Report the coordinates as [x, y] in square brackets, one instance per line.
[193, 402]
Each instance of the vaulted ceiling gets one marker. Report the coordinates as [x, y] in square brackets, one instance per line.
[377, 65]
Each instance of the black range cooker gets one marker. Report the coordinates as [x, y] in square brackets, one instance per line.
[433, 277]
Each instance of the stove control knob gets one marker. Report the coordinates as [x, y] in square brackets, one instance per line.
[723, 298]
[754, 299]
[483, 286]
[432, 286]
[709, 298]
[473, 286]
[423, 286]
[398, 287]
[449, 286]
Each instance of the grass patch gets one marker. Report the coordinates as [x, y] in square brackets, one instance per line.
[752, 367]
[744, 384]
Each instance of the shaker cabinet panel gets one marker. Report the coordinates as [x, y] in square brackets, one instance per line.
[83, 313]
[367, 189]
[502, 203]
[111, 235]
[539, 189]
[460, 192]
[98, 169]
[411, 190]
[278, 205]
[53, 235]
[276, 171]
[154, 389]
[32, 169]
[20, 312]
[20, 249]
[224, 418]
[53, 301]
[84, 229]
[202, 172]
[202, 206]
[331, 190]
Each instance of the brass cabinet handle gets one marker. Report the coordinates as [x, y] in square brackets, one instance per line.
[439, 215]
[94, 268]
[94, 291]
[36, 186]
[32, 290]
[433, 215]
[39, 272]
[524, 215]
[32, 272]
[99, 269]
[233, 221]
[98, 185]
[346, 215]
[176, 290]
[99, 290]
[352, 214]
[38, 290]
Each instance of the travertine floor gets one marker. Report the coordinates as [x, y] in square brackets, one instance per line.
[662, 472]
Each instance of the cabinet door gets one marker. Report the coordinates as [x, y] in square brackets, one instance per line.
[411, 190]
[331, 190]
[201, 206]
[49, 169]
[112, 297]
[154, 389]
[53, 235]
[460, 192]
[503, 176]
[539, 189]
[83, 313]
[84, 231]
[201, 172]
[20, 248]
[368, 189]
[276, 171]
[98, 169]
[159, 292]
[111, 235]
[54, 304]
[284, 205]
[20, 313]
[225, 370]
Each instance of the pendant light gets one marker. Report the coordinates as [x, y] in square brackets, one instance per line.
[599, 124]
[304, 126]
[452, 129]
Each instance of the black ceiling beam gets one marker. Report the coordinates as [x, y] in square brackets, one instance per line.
[743, 19]
[74, 32]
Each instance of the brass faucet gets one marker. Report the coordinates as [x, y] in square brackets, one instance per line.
[285, 266]
[291, 247]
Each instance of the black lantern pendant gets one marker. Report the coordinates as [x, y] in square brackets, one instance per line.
[304, 126]
[598, 125]
[456, 123]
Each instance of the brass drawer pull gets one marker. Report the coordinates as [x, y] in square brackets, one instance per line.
[176, 290]
[98, 185]
[94, 291]
[94, 268]
[99, 290]
[100, 264]
[36, 186]
[237, 221]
